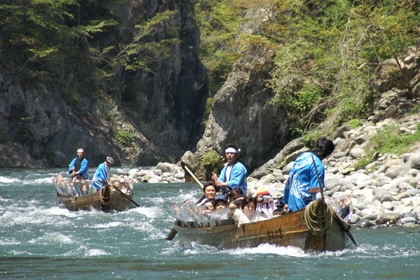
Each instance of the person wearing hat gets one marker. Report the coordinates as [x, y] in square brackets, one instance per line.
[305, 182]
[265, 205]
[78, 167]
[233, 175]
[102, 174]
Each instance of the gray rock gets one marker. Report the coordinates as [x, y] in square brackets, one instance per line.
[407, 220]
[388, 218]
[165, 167]
[415, 161]
[364, 223]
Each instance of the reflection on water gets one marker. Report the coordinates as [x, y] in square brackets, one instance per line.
[39, 239]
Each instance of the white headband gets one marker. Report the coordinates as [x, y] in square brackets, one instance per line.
[232, 150]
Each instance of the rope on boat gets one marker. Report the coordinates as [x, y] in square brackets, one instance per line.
[105, 195]
[318, 217]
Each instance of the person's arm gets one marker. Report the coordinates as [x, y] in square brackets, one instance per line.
[220, 181]
[71, 165]
[83, 167]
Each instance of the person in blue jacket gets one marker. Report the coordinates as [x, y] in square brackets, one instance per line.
[102, 174]
[78, 167]
[302, 185]
[233, 175]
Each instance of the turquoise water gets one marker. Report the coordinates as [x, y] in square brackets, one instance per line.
[39, 239]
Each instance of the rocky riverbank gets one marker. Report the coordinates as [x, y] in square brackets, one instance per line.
[384, 192]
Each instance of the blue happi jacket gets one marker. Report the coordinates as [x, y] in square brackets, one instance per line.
[237, 178]
[101, 174]
[302, 177]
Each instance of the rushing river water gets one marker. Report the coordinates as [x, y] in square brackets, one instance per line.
[40, 239]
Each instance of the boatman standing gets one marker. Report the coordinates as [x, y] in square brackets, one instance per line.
[233, 175]
[302, 185]
[102, 174]
[78, 167]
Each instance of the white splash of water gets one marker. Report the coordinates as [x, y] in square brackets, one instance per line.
[7, 180]
[269, 249]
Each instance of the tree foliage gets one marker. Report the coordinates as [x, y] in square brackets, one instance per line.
[333, 48]
[82, 46]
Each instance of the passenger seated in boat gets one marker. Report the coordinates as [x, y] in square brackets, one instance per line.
[209, 191]
[82, 186]
[209, 206]
[220, 204]
[265, 205]
[233, 195]
[237, 212]
[342, 204]
[220, 215]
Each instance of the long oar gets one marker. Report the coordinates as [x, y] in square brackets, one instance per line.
[340, 220]
[192, 174]
[126, 196]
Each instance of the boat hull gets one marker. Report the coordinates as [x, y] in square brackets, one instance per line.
[285, 230]
[117, 202]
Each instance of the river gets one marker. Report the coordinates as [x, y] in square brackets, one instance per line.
[40, 239]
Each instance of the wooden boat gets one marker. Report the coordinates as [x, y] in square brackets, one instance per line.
[298, 229]
[109, 198]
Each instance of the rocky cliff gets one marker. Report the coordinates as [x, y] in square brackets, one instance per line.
[156, 115]
[241, 112]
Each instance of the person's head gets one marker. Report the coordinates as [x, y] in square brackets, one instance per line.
[233, 194]
[209, 205]
[209, 190]
[249, 207]
[323, 147]
[80, 153]
[231, 153]
[109, 161]
[220, 204]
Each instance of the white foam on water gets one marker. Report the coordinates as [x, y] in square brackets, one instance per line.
[108, 225]
[7, 180]
[8, 242]
[149, 212]
[96, 252]
[32, 215]
[52, 238]
[389, 251]
[38, 181]
[269, 249]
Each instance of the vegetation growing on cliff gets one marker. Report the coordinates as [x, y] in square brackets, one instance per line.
[81, 46]
[327, 51]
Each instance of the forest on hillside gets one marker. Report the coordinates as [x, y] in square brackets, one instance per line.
[327, 52]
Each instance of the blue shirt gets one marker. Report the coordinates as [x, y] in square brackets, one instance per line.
[83, 167]
[237, 178]
[101, 174]
[302, 177]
